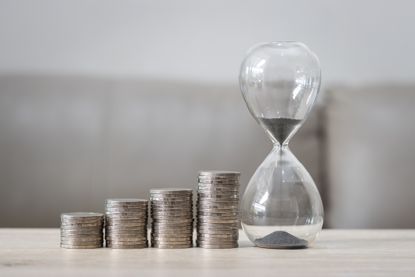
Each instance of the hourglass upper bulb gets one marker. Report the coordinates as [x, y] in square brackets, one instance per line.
[280, 82]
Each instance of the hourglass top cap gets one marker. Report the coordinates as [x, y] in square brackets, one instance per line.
[295, 47]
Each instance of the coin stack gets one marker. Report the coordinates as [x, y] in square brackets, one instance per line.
[172, 215]
[126, 223]
[82, 230]
[217, 209]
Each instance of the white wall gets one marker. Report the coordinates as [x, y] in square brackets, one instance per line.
[357, 41]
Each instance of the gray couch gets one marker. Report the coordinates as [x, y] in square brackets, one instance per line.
[67, 143]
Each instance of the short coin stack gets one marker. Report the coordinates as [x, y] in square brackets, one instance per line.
[217, 209]
[82, 230]
[126, 223]
[172, 215]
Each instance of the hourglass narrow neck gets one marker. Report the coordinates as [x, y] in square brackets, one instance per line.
[278, 146]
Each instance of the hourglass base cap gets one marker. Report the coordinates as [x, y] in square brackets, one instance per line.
[281, 240]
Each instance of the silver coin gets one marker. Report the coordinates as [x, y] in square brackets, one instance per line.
[173, 204]
[172, 197]
[129, 246]
[178, 229]
[125, 212]
[131, 218]
[215, 193]
[217, 234]
[215, 214]
[172, 235]
[206, 239]
[217, 198]
[218, 221]
[126, 226]
[223, 198]
[172, 218]
[171, 242]
[216, 227]
[210, 230]
[127, 207]
[124, 243]
[170, 190]
[179, 203]
[166, 239]
[172, 223]
[216, 190]
[218, 208]
[81, 223]
[77, 233]
[126, 233]
[172, 210]
[139, 218]
[215, 217]
[81, 216]
[209, 204]
[115, 239]
[80, 235]
[111, 228]
[215, 208]
[92, 245]
[219, 172]
[218, 184]
[69, 246]
[185, 211]
[126, 201]
[168, 246]
[126, 220]
[81, 228]
[217, 246]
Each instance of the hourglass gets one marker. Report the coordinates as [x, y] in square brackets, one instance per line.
[281, 207]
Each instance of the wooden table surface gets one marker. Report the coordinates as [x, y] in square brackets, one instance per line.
[36, 252]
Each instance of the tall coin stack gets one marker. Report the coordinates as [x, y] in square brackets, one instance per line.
[82, 230]
[126, 223]
[218, 209]
[172, 218]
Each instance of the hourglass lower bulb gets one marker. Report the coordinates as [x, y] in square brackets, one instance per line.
[281, 207]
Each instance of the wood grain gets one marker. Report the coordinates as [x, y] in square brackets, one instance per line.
[36, 252]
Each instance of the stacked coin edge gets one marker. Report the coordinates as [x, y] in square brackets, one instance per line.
[172, 218]
[126, 223]
[218, 209]
[83, 230]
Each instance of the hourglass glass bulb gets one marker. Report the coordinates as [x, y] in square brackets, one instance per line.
[281, 207]
[279, 82]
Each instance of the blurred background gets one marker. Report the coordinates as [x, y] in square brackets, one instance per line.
[108, 98]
